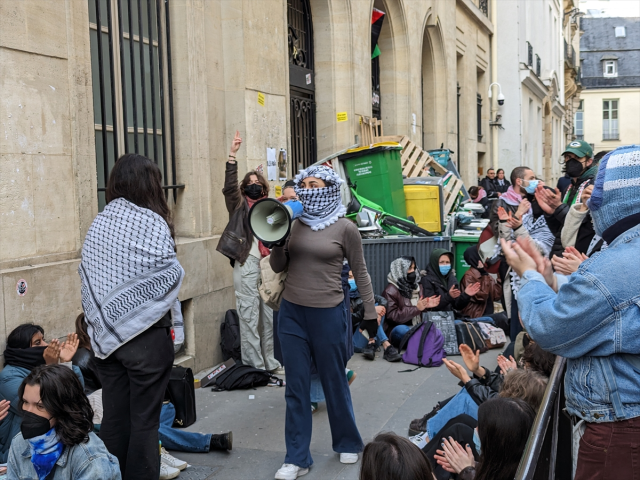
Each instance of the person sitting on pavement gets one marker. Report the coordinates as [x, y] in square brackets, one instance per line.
[582, 169]
[391, 457]
[56, 439]
[440, 281]
[26, 349]
[360, 341]
[480, 304]
[593, 320]
[502, 433]
[405, 299]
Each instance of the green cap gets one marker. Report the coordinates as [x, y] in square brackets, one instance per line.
[580, 148]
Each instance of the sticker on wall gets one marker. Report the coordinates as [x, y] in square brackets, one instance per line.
[342, 116]
[308, 78]
[278, 191]
[21, 287]
[261, 99]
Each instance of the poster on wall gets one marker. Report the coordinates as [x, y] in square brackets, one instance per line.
[272, 165]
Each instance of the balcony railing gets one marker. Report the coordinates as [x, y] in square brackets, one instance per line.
[538, 66]
[611, 136]
[570, 54]
[529, 55]
[483, 5]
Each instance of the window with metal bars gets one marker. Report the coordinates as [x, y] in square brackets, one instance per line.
[132, 89]
[529, 55]
[479, 117]
[538, 66]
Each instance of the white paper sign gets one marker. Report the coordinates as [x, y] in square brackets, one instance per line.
[272, 164]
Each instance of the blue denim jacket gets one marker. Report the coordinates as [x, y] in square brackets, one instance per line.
[594, 322]
[86, 461]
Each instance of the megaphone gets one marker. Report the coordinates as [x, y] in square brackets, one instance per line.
[270, 220]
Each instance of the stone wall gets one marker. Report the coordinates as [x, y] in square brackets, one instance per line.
[224, 53]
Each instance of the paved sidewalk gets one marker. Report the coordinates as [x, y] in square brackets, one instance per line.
[384, 400]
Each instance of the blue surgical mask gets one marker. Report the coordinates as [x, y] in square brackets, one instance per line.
[445, 269]
[531, 188]
[352, 285]
[476, 441]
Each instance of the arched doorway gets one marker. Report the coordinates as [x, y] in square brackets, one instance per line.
[301, 85]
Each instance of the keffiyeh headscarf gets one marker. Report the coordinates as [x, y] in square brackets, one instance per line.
[398, 276]
[322, 206]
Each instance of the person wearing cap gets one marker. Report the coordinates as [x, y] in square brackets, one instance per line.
[581, 167]
[594, 322]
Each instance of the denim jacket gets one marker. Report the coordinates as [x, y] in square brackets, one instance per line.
[594, 322]
[85, 461]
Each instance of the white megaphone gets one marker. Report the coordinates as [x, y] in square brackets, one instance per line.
[270, 220]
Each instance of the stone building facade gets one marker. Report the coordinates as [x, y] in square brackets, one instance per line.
[208, 68]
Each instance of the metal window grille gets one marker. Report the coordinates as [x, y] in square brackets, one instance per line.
[301, 85]
[459, 93]
[132, 86]
[538, 66]
[479, 115]
[484, 7]
[529, 55]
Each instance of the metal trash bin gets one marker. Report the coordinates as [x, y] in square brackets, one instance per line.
[380, 252]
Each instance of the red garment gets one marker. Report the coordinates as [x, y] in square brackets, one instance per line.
[264, 251]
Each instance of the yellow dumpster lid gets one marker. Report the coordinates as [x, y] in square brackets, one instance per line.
[385, 145]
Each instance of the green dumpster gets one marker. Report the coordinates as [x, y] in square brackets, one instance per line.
[460, 244]
[376, 174]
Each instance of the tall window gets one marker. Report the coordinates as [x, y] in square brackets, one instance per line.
[479, 116]
[610, 68]
[578, 124]
[132, 90]
[610, 120]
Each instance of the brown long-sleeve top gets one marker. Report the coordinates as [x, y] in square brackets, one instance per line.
[314, 261]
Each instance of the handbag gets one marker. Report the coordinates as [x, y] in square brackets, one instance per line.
[181, 392]
[494, 337]
[445, 322]
[271, 284]
[470, 335]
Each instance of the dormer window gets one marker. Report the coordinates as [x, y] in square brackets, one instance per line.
[610, 68]
[621, 32]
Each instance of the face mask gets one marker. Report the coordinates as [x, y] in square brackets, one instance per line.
[253, 191]
[33, 425]
[573, 168]
[445, 269]
[531, 188]
[411, 277]
[476, 441]
[352, 285]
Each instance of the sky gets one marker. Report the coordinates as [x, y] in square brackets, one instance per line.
[611, 8]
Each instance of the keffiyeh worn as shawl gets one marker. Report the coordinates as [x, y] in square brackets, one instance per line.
[398, 276]
[322, 206]
[130, 275]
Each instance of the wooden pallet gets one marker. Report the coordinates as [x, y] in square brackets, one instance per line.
[451, 191]
[370, 130]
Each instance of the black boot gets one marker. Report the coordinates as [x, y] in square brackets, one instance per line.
[222, 442]
[369, 352]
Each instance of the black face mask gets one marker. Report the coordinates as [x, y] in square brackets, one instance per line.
[573, 168]
[253, 191]
[33, 425]
[411, 278]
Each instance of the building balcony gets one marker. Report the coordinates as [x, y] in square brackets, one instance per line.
[570, 55]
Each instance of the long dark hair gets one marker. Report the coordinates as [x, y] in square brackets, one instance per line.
[63, 398]
[391, 457]
[81, 331]
[20, 337]
[136, 178]
[503, 428]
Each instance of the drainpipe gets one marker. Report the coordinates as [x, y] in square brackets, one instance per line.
[494, 78]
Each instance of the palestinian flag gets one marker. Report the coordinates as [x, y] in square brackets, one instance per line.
[377, 17]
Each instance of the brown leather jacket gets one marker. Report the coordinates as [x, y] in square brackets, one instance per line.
[488, 288]
[235, 242]
[399, 308]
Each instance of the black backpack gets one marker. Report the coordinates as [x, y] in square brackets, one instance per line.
[242, 377]
[230, 336]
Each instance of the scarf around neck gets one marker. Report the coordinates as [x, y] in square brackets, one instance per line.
[28, 358]
[398, 276]
[510, 197]
[45, 452]
[481, 194]
[129, 273]
[322, 206]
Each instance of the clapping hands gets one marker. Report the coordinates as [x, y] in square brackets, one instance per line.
[569, 262]
[64, 353]
[453, 458]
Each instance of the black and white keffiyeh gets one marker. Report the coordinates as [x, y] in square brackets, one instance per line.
[322, 206]
[130, 275]
[398, 276]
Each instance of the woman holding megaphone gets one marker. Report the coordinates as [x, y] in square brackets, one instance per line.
[245, 252]
[312, 317]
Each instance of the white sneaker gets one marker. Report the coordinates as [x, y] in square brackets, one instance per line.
[167, 472]
[348, 457]
[420, 440]
[289, 471]
[172, 461]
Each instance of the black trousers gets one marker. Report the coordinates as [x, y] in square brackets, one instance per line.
[460, 428]
[134, 379]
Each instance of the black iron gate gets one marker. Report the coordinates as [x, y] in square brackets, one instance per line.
[301, 85]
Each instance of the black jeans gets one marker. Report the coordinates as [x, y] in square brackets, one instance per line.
[134, 379]
[460, 429]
